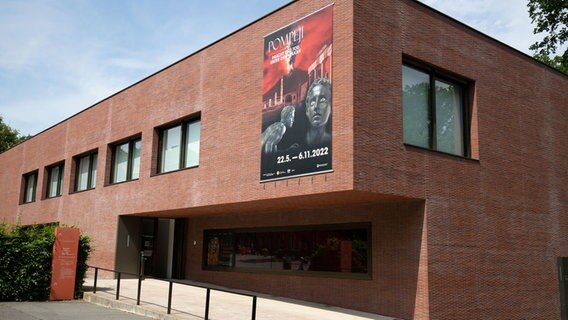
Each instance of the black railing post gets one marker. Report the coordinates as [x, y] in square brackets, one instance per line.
[139, 289]
[207, 304]
[170, 290]
[170, 298]
[118, 286]
[142, 262]
[95, 284]
[253, 308]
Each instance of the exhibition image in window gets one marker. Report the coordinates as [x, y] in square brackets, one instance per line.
[327, 248]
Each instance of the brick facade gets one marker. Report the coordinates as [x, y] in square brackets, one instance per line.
[452, 237]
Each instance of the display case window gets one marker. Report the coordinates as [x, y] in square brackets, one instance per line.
[324, 249]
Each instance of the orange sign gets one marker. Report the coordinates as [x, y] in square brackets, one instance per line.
[64, 263]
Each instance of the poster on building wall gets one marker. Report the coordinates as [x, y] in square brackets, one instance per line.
[297, 98]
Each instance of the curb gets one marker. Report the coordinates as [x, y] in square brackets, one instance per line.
[112, 303]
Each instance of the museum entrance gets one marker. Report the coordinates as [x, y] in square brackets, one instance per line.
[151, 246]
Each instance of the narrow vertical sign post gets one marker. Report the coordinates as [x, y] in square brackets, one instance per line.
[64, 263]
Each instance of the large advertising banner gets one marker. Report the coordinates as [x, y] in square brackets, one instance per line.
[297, 98]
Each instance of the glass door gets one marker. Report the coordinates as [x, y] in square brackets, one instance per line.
[147, 249]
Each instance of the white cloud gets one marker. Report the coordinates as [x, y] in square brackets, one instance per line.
[25, 29]
[59, 57]
[50, 70]
[507, 21]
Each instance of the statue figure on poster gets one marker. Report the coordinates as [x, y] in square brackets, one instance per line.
[318, 112]
[272, 136]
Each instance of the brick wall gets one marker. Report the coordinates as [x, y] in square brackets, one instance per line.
[396, 235]
[221, 82]
[495, 224]
[453, 238]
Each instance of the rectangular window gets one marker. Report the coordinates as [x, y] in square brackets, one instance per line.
[179, 146]
[126, 160]
[30, 186]
[86, 172]
[336, 248]
[434, 110]
[54, 181]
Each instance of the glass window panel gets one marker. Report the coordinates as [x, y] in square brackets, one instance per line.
[60, 185]
[53, 182]
[30, 188]
[171, 148]
[192, 148]
[449, 119]
[415, 100]
[83, 174]
[94, 158]
[120, 162]
[136, 159]
[219, 248]
[342, 250]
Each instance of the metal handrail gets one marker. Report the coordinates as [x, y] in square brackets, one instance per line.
[170, 289]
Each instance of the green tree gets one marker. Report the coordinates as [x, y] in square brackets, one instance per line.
[555, 62]
[9, 136]
[26, 254]
[551, 18]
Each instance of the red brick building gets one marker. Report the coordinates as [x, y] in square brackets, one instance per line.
[444, 197]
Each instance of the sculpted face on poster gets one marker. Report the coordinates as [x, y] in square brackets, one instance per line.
[297, 98]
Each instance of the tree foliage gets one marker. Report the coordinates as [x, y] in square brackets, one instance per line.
[551, 18]
[556, 62]
[82, 256]
[25, 262]
[9, 136]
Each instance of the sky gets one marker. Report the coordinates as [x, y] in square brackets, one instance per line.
[58, 57]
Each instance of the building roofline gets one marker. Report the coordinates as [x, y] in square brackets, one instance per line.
[163, 69]
[488, 37]
[265, 16]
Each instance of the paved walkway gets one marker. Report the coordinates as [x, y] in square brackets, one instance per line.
[189, 303]
[61, 310]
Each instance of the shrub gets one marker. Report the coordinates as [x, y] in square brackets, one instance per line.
[82, 256]
[25, 262]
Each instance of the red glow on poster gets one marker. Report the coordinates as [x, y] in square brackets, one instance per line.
[297, 98]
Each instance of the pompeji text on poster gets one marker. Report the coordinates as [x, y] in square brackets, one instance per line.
[297, 98]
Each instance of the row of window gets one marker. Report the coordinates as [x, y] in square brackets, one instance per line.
[178, 145]
[435, 116]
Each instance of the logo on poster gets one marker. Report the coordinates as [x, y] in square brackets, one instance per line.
[284, 41]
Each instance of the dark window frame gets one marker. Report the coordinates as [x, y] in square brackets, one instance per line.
[49, 170]
[367, 226]
[437, 74]
[184, 123]
[131, 143]
[77, 162]
[25, 178]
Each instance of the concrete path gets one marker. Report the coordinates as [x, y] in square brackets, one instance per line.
[189, 303]
[71, 310]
